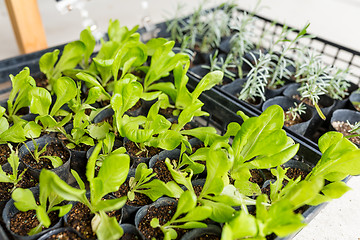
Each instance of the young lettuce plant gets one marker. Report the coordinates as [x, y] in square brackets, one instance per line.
[22, 83]
[144, 183]
[260, 143]
[53, 66]
[49, 201]
[187, 216]
[111, 176]
[36, 155]
[13, 177]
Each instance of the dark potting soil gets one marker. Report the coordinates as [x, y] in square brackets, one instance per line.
[52, 149]
[139, 200]
[22, 222]
[66, 235]
[256, 177]
[294, 173]
[162, 172]
[168, 112]
[4, 153]
[290, 121]
[208, 237]
[344, 128]
[41, 80]
[27, 181]
[306, 101]
[164, 214]
[129, 236]
[136, 106]
[133, 150]
[79, 218]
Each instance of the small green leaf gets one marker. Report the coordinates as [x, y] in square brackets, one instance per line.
[42, 216]
[65, 90]
[55, 161]
[32, 130]
[40, 101]
[24, 199]
[108, 228]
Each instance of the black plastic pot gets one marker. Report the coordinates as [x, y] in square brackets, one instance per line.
[355, 100]
[285, 103]
[59, 230]
[163, 201]
[172, 154]
[200, 72]
[345, 115]
[135, 160]
[235, 87]
[345, 103]
[103, 115]
[62, 171]
[10, 210]
[210, 230]
[131, 231]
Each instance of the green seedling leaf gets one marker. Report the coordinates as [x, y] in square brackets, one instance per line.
[104, 67]
[24, 199]
[110, 204]
[15, 134]
[89, 41]
[55, 161]
[206, 83]
[112, 174]
[220, 212]
[47, 62]
[42, 216]
[63, 210]
[121, 34]
[154, 44]
[65, 90]
[91, 80]
[335, 189]
[107, 228]
[186, 202]
[78, 179]
[248, 230]
[40, 101]
[99, 131]
[32, 130]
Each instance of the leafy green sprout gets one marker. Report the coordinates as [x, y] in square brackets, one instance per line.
[218, 63]
[296, 110]
[14, 177]
[36, 154]
[184, 47]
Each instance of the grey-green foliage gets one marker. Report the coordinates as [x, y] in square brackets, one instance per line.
[220, 64]
[337, 85]
[257, 78]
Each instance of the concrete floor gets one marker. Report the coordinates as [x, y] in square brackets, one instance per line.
[334, 20]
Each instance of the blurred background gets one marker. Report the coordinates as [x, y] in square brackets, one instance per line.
[333, 20]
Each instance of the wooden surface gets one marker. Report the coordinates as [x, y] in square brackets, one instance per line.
[27, 25]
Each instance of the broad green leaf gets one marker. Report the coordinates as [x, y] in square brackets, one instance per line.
[248, 225]
[42, 216]
[99, 131]
[4, 125]
[78, 179]
[220, 212]
[47, 62]
[94, 95]
[24, 199]
[198, 213]
[153, 44]
[71, 56]
[186, 203]
[335, 189]
[165, 87]
[65, 90]
[40, 101]
[62, 188]
[104, 67]
[112, 174]
[55, 161]
[89, 41]
[110, 204]
[108, 228]
[92, 81]
[192, 225]
[120, 34]
[63, 210]
[206, 83]
[168, 140]
[14, 134]
[156, 189]
[32, 130]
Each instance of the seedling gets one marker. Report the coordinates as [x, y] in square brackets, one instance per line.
[337, 85]
[36, 154]
[296, 111]
[24, 200]
[14, 177]
[219, 64]
[355, 129]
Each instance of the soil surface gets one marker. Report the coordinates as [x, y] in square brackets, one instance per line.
[162, 172]
[65, 236]
[344, 128]
[129, 236]
[52, 149]
[22, 222]
[140, 199]
[133, 150]
[41, 80]
[168, 112]
[4, 153]
[306, 101]
[256, 177]
[79, 218]
[290, 121]
[164, 214]
[27, 181]
[208, 237]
